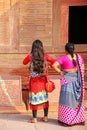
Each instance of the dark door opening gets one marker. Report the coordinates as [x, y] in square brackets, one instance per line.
[78, 24]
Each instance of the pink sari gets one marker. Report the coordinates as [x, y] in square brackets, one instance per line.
[71, 107]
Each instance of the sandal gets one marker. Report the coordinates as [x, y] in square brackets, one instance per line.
[45, 119]
[34, 120]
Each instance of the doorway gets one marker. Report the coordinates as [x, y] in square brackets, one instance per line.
[77, 24]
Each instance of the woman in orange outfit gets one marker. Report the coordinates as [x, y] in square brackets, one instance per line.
[38, 97]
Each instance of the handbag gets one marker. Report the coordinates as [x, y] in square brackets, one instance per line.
[50, 86]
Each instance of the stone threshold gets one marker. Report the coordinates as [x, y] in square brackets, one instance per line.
[22, 109]
[53, 107]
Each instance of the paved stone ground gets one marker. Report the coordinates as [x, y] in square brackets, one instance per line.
[20, 122]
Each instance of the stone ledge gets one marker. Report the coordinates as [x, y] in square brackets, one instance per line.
[22, 109]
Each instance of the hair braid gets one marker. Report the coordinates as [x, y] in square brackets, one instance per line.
[70, 49]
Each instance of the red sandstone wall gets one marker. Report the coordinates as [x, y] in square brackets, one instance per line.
[23, 21]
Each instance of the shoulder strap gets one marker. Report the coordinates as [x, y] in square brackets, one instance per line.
[46, 68]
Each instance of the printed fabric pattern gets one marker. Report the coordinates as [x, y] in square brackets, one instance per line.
[71, 108]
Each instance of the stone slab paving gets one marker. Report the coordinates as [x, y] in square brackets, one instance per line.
[20, 122]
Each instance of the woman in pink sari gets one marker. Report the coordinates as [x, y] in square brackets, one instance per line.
[71, 68]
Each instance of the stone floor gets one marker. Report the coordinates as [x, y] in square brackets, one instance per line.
[20, 122]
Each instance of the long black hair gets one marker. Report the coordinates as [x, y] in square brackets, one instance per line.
[69, 47]
[37, 56]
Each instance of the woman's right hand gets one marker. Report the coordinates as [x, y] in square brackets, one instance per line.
[62, 73]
